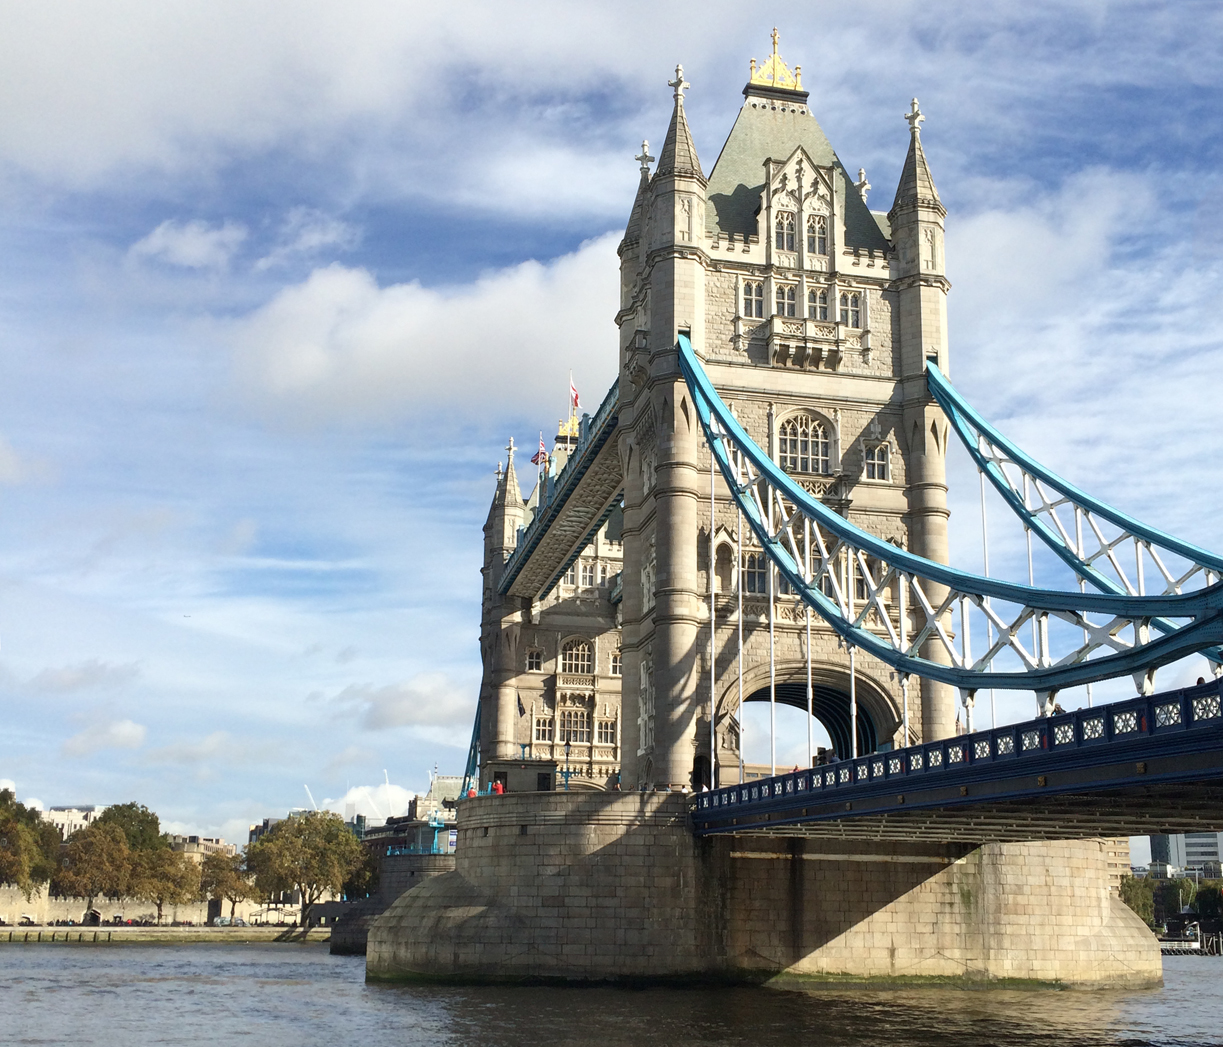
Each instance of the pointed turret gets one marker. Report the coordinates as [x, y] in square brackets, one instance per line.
[632, 232]
[508, 494]
[916, 188]
[678, 155]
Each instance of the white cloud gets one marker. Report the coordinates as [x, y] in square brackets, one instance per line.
[120, 734]
[8, 783]
[216, 744]
[192, 245]
[339, 346]
[428, 700]
[92, 674]
[306, 232]
[376, 802]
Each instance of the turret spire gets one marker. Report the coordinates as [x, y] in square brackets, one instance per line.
[508, 493]
[678, 156]
[916, 186]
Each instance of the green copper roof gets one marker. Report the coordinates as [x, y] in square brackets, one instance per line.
[774, 129]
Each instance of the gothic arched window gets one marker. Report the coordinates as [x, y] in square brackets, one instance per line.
[851, 310]
[576, 658]
[817, 305]
[785, 231]
[803, 445]
[722, 569]
[755, 573]
[575, 726]
[785, 300]
[817, 234]
[753, 299]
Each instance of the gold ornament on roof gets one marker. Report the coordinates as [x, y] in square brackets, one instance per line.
[775, 72]
[569, 426]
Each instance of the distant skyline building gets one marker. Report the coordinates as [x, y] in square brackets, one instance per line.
[73, 818]
[197, 848]
[1193, 851]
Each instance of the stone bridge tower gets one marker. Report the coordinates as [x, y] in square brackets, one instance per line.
[814, 317]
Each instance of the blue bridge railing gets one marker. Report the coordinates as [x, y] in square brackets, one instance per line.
[1103, 730]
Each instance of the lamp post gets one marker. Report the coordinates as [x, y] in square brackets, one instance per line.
[567, 771]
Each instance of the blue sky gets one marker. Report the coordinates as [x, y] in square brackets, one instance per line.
[278, 281]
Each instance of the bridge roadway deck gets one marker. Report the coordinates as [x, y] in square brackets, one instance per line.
[1145, 765]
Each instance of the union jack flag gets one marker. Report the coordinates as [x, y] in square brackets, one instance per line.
[540, 457]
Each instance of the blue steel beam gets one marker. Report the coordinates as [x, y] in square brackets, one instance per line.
[973, 429]
[728, 440]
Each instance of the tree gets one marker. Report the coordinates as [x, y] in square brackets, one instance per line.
[224, 876]
[29, 846]
[1208, 901]
[365, 878]
[160, 876]
[1139, 896]
[96, 861]
[140, 825]
[312, 853]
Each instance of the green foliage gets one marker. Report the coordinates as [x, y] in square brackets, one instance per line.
[312, 853]
[224, 876]
[364, 879]
[140, 825]
[1208, 901]
[1139, 895]
[29, 846]
[163, 876]
[96, 862]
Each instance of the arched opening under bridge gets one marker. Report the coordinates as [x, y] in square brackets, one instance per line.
[830, 707]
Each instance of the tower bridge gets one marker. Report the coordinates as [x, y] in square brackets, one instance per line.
[757, 511]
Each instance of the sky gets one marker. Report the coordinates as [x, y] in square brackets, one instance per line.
[278, 281]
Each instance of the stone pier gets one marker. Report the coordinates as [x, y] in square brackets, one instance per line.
[594, 887]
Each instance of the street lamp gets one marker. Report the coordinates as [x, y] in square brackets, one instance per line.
[567, 771]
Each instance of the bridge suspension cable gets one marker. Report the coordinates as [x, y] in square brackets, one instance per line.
[1079, 637]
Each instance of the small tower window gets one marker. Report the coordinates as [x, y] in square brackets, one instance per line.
[607, 732]
[571, 576]
[817, 234]
[785, 231]
[588, 574]
[803, 445]
[575, 658]
[535, 660]
[753, 299]
[575, 726]
[877, 459]
[851, 310]
[543, 729]
[817, 305]
[755, 573]
[785, 300]
[617, 663]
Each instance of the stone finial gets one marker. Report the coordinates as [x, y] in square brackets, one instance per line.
[680, 85]
[915, 118]
[509, 450]
[645, 158]
[862, 185]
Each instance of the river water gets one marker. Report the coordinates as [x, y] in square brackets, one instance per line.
[273, 995]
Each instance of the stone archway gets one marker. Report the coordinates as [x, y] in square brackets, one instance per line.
[878, 715]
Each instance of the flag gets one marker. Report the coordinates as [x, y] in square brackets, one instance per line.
[522, 710]
[573, 395]
[540, 457]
